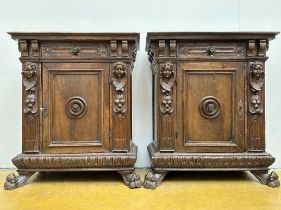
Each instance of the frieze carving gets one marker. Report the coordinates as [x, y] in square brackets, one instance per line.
[56, 161]
[167, 80]
[256, 82]
[214, 49]
[74, 49]
[23, 48]
[29, 74]
[119, 80]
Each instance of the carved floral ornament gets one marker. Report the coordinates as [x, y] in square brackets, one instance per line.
[29, 82]
[167, 81]
[256, 83]
[119, 80]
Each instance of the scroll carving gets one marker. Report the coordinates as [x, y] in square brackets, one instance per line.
[256, 82]
[23, 48]
[263, 47]
[34, 48]
[125, 48]
[113, 48]
[29, 81]
[161, 50]
[119, 80]
[167, 81]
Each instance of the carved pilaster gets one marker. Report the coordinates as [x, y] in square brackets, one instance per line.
[256, 82]
[119, 80]
[166, 106]
[34, 48]
[23, 48]
[29, 81]
[255, 106]
[30, 118]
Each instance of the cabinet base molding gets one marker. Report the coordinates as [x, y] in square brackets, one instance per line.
[257, 163]
[28, 164]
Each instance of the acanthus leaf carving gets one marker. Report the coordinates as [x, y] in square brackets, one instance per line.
[119, 81]
[167, 80]
[29, 74]
[256, 82]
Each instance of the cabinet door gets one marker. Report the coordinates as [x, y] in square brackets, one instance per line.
[211, 107]
[75, 107]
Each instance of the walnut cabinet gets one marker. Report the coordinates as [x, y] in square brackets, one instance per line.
[208, 103]
[76, 104]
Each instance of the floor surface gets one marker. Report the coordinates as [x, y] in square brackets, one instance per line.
[105, 190]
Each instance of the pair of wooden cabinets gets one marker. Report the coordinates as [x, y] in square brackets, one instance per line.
[208, 104]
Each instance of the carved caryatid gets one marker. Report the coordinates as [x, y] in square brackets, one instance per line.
[29, 74]
[119, 80]
[167, 79]
[256, 82]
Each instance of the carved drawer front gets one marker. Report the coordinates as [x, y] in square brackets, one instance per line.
[212, 109]
[76, 102]
[74, 50]
[209, 50]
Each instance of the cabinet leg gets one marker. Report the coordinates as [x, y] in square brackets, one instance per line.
[269, 179]
[153, 179]
[13, 181]
[131, 179]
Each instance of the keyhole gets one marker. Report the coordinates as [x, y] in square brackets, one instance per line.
[75, 108]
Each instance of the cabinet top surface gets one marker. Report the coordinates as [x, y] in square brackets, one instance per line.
[72, 36]
[151, 36]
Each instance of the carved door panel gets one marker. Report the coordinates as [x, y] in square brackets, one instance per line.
[75, 108]
[211, 110]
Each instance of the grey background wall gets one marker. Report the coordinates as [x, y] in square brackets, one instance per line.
[133, 16]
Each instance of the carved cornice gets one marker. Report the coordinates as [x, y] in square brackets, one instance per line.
[256, 80]
[29, 78]
[167, 79]
[119, 80]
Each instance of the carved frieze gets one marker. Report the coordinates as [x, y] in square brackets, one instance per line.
[256, 79]
[125, 49]
[29, 74]
[161, 48]
[251, 48]
[263, 47]
[74, 49]
[167, 80]
[119, 80]
[113, 48]
[187, 50]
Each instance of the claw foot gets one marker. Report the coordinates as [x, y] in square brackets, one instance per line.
[13, 181]
[153, 180]
[131, 179]
[270, 179]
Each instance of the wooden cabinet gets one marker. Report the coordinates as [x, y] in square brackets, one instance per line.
[76, 101]
[208, 103]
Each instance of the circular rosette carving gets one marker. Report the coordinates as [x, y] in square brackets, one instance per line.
[76, 107]
[209, 107]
